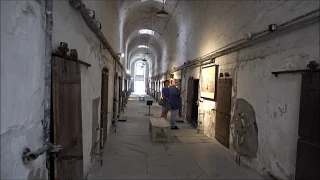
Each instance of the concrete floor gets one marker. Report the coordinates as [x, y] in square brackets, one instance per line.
[130, 154]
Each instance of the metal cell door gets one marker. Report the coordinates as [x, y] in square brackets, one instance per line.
[104, 105]
[308, 151]
[67, 118]
[222, 127]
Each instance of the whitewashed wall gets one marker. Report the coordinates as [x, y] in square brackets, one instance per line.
[22, 87]
[70, 27]
[209, 25]
[22, 75]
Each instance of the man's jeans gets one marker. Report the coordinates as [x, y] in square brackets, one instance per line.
[174, 114]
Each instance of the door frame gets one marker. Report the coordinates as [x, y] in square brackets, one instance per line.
[104, 114]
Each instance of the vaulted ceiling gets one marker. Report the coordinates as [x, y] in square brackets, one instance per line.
[141, 14]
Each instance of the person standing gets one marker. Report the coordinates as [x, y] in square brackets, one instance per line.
[175, 104]
[165, 96]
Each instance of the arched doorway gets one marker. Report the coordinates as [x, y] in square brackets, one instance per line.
[139, 78]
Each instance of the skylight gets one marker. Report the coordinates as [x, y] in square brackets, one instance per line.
[143, 46]
[146, 31]
[155, 0]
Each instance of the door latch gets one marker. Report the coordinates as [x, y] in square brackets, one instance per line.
[103, 113]
[28, 156]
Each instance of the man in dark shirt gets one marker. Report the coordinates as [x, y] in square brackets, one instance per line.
[175, 104]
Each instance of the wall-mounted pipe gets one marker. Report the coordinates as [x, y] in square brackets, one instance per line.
[78, 4]
[47, 71]
[47, 82]
[256, 37]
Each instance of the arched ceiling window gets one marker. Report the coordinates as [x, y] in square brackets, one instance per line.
[143, 46]
[146, 31]
[155, 0]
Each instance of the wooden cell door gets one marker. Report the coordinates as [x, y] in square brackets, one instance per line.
[67, 118]
[192, 104]
[104, 106]
[308, 151]
[223, 109]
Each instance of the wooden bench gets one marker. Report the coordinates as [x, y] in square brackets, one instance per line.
[158, 124]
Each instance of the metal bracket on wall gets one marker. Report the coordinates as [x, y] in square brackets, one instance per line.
[74, 55]
[62, 52]
[312, 69]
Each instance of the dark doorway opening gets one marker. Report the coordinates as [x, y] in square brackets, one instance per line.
[192, 101]
[104, 106]
[115, 84]
[222, 129]
[308, 150]
[119, 95]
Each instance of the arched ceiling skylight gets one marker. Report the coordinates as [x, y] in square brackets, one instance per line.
[146, 31]
[143, 46]
[162, 1]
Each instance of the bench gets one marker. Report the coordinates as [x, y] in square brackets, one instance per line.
[158, 124]
[141, 98]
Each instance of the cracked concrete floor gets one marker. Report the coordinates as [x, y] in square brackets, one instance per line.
[130, 154]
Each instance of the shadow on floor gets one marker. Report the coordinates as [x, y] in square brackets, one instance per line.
[130, 154]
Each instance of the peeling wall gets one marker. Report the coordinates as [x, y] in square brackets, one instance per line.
[209, 25]
[70, 27]
[22, 76]
[22, 87]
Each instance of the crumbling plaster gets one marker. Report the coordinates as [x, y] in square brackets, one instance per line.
[22, 85]
[70, 27]
[275, 100]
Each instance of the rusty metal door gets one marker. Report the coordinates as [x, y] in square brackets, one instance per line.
[308, 151]
[67, 118]
[104, 105]
[222, 127]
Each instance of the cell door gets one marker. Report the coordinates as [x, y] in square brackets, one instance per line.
[195, 107]
[192, 98]
[222, 128]
[115, 97]
[67, 118]
[308, 151]
[119, 94]
[104, 105]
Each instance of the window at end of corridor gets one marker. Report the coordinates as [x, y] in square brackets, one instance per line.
[143, 46]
